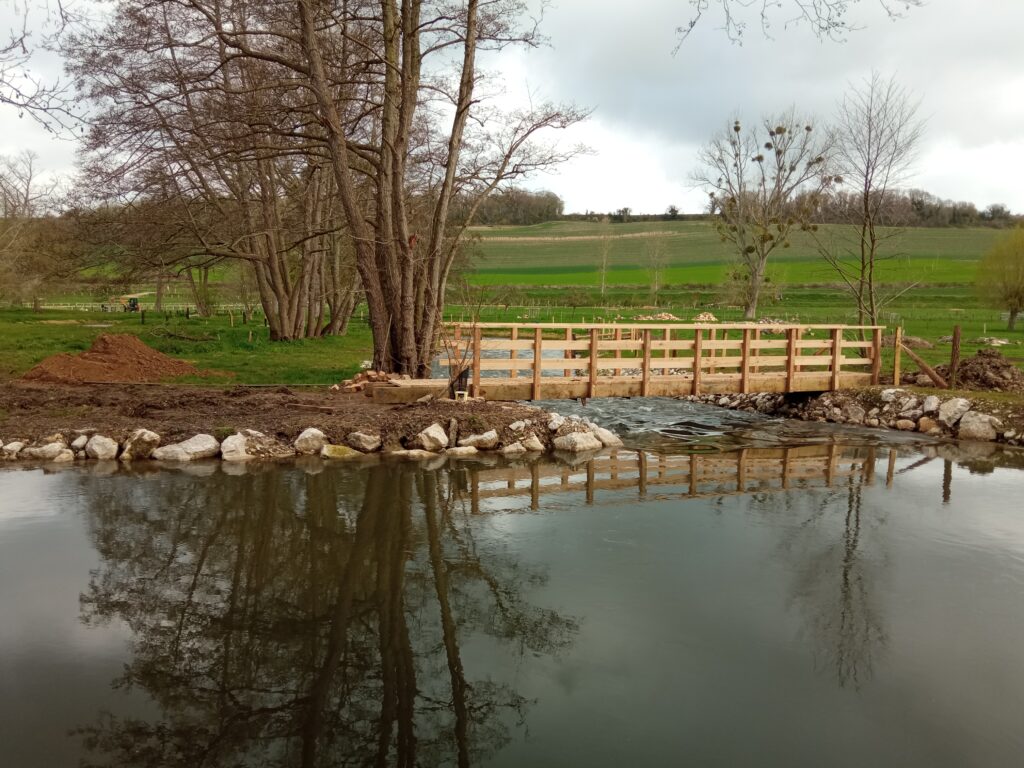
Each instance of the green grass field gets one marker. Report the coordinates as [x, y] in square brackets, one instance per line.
[568, 253]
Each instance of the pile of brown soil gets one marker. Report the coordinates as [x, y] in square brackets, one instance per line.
[987, 370]
[112, 358]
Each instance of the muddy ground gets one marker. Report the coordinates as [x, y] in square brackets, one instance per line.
[30, 411]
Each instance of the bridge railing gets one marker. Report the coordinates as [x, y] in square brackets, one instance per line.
[538, 360]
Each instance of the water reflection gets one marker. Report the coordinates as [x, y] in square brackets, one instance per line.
[322, 615]
[307, 619]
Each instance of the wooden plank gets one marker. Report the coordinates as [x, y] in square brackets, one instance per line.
[513, 353]
[683, 326]
[593, 363]
[876, 357]
[567, 354]
[897, 347]
[645, 372]
[790, 358]
[696, 363]
[476, 361]
[538, 342]
[745, 363]
[837, 357]
[618, 348]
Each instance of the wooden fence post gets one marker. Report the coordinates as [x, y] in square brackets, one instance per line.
[954, 357]
[876, 357]
[537, 344]
[790, 358]
[476, 361]
[698, 336]
[837, 356]
[618, 350]
[592, 387]
[745, 362]
[757, 352]
[513, 353]
[645, 373]
[712, 334]
[567, 373]
[897, 347]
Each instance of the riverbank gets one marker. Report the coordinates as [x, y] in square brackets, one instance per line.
[132, 422]
[961, 415]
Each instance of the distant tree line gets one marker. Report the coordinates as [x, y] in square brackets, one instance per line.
[519, 206]
[915, 208]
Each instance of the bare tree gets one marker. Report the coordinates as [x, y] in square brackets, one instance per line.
[765, 183]
[877, 134]
[829, 19]
[604, 251]
[1001, 275]
[26, 197]
[656, 252]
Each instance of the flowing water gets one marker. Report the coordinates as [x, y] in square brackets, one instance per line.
[728, 590]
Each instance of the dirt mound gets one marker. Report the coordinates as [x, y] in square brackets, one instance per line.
[987, 370]
[112, 358]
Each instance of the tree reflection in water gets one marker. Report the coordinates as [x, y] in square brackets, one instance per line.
[284, 618]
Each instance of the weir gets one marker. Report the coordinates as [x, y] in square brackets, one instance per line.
[550, 361]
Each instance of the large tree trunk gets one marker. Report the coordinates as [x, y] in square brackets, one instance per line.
[1013, 319]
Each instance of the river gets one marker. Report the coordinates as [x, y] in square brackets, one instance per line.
[727, 590]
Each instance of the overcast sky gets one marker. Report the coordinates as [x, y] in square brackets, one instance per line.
[652, 110]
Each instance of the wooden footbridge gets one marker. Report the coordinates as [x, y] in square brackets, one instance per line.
[524, 361]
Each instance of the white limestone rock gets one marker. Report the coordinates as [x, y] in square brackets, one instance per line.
[416, 453]
[65, 454]
[513, 449]
[931, 404]
[364, 442]
[533, 444]
[311, 441]
[140, 445]
[978, 426]
[889, 395]
[484, 442]
[79, 443]
[519, 426]
[47, 452]
[608, 438]
[555, 422]
[951, 411]
[464, 450]
[433, 438]
[197, 447]
[577, 442]
[101, 448]
[235, 448]
[12, 449]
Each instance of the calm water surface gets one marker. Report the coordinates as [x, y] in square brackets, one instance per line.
[729, 591]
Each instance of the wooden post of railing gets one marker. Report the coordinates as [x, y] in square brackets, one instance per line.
[830, 469]
[590, 482]
[618, 351]
[641, 460]
[741, 470]
[785, 468]
[790, 358]
[693, 474]
[645, 372]
[890, 472]
[476, 361]
[568, 353]
[799, 336]
[757, 352]
[876, 356]
[869, 467]
[837, 356]
[668, 352]
[954, 357]
[698, 336]
[513, 353]
[745, 362]
[537, 344]
[714, 352]
[592, 386]
[535, 486]
[897, 348]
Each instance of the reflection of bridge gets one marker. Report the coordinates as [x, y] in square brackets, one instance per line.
[551, 360]
[750, 470]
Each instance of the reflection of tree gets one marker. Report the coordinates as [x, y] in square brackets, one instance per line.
[833, 581]
[281, 618]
